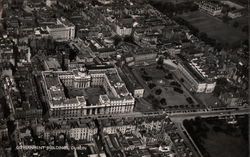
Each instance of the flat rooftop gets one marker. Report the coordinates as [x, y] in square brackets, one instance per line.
[192, 71]
[53, 63]
[51, 79]
[117, 83]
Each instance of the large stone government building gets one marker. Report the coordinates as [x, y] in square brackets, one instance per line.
[117, 98]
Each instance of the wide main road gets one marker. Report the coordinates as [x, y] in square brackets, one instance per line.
[206, 114]
[174, 116]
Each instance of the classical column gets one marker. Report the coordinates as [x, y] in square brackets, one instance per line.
[85, 111]
[101, 110]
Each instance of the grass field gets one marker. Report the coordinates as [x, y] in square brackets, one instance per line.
[210, 100]
[241, 20]
[222, 145]
[214, 27]
[172, 97]
[216, 138]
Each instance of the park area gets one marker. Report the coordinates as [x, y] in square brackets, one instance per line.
[217, 138]
[162, 90]
[210, 100]
[214, 27]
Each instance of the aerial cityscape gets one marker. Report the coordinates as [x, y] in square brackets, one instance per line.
[124, 78]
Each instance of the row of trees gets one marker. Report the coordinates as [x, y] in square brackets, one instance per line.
[154, 101]
[202, 35]
[171, 9]
[192, 29]
[235, 24]
[197, 130]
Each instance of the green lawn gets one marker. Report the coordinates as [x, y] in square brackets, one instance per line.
[219, 144]
[173, 98]
[209, 100]
[216, 138]
[158, 78]
[143, 106]
[214, 28]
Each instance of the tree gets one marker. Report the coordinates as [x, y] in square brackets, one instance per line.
[218, 46]
[151, 85]
[160, 61]
[203, 36]
[233, 8]
[225, 19]
[178, 90]
[217, 128]
[169, 76]
[158, 92]
[189, 100]
[224, 10]
[194, 8]
[236, 24]
[163, 101]
[180, 11]
[174, 83]
[211, 41]
[182, 80]
[245, 29]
